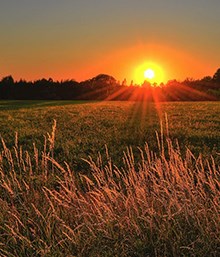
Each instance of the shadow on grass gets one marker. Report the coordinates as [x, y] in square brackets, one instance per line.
[26, 104]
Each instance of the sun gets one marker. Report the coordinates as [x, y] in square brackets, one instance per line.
[150, 71]
[149, 74]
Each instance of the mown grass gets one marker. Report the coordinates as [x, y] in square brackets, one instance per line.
[18, 104]
[85, 128]
[145, 194]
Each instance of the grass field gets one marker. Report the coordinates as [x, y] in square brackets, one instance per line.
[160, 199]
[84, 129]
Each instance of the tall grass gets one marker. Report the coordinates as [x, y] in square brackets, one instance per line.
[165, 205]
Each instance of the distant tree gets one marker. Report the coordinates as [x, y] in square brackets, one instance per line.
[8, 80]
[172, 83]
[216, 76]
[206, 79]
[6, 87]
[103, 78]
[188, 80]
[107, 87]
[146, 84]
[124, 82]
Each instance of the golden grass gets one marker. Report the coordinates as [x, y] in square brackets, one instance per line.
[165, 205]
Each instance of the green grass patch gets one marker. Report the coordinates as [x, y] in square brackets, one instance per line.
[25, 104]
[84, 128]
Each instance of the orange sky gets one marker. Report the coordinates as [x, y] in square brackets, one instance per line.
[174, 63]
[81, 39]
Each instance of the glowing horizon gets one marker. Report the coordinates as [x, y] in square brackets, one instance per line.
[149, 71]
[80, 39]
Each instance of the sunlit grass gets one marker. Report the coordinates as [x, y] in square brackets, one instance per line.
[166, 204]
[84, 129]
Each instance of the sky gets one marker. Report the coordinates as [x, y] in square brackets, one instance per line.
[79, 39]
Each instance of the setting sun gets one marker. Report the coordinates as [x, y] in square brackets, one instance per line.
[149, 74]
[149, 71]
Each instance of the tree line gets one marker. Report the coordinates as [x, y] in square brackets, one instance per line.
[105, 87]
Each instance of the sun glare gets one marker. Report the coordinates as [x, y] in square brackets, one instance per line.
[149, 71]
[149, 74]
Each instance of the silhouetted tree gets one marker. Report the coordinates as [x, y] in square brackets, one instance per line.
[216, 76]
[146, 84]
[206, 79]
[8, 80]
[107, 87]
[124, 82]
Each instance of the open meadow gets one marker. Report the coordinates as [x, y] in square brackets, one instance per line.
[86, 128]
[116, 178]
